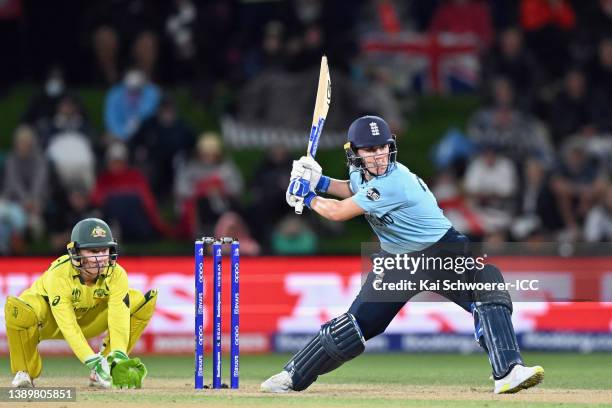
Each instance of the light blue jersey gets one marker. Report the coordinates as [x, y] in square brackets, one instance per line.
[400, 208]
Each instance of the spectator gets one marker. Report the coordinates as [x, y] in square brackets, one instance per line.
[68, 117]
[13, 226]
[293, 237]
[207, 186]
[124, 196]
[380, 100]
[538, 214]
[268, 190]
[569, 112]
[271, 54]
[41, 108]
[594, 24]
[515, 134]
[510, 59]
[67, 207]
[491, 184]
[263, 101]
[163, 140]
[464, 17]
[123, 30]
[25, 178]
[547, 25]
[232, 225]
[575, 185]
[73, 159]
[448, 193]
[600, 75]
[598, 225]
[130, 103]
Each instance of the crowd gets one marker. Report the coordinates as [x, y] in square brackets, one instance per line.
[533, 163]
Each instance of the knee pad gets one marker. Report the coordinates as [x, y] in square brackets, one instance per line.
[18, 314]
[338, 341]
[139, 319]
[491, 274]
[145, 310]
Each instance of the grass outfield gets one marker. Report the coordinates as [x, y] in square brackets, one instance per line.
[425, 380]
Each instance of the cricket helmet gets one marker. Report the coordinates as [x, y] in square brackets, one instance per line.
[368, 131]
[91, 233]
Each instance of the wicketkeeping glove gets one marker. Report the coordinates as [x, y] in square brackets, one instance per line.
[126, 372]
[99, 364]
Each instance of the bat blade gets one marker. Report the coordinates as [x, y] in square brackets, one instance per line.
[321, 108]
[318, 118]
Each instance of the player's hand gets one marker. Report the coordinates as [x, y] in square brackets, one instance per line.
[299, 192]
[307, 168]
[100, 365]
[126, 372]
[297, 189]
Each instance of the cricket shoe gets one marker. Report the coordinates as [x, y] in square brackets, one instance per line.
[96, 382]
[519, 378]
[22, 380]
[278, 383]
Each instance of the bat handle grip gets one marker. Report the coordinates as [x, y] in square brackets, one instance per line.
[299, 205]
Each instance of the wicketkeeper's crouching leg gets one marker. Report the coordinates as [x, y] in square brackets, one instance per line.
[337, 342]
[23, 337]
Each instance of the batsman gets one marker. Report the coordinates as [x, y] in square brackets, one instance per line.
[83, 294]
[403, 213]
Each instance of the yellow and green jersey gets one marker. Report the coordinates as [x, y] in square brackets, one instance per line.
[74, 304]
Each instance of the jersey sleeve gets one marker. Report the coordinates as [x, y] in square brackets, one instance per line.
[380, 197]
[60, 301]
[118, 310]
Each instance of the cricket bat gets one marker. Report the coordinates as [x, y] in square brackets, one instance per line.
[318, 119]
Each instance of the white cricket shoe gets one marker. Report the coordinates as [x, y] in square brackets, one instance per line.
[278, 383]
[22, 380]
[519, 378]
[97, 382]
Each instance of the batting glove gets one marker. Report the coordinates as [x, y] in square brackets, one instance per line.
[307, 166]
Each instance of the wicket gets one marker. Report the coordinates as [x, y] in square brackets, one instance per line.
[200, 248]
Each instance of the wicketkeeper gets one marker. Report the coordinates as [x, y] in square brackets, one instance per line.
[82, 295]
[405, 216]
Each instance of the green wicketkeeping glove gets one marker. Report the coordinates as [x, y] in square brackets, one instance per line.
[99, 364]
[126, 372]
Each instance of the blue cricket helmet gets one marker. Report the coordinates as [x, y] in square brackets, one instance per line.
[368, 131]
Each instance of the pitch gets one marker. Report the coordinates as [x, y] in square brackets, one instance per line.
[389, 380]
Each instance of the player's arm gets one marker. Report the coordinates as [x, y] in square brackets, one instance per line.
[118, 310]
[60, 301]
[339, 188]
[336, 210]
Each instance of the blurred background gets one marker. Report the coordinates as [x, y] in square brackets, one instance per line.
[178, 119]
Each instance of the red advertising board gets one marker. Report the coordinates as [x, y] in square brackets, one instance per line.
[298, 294]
